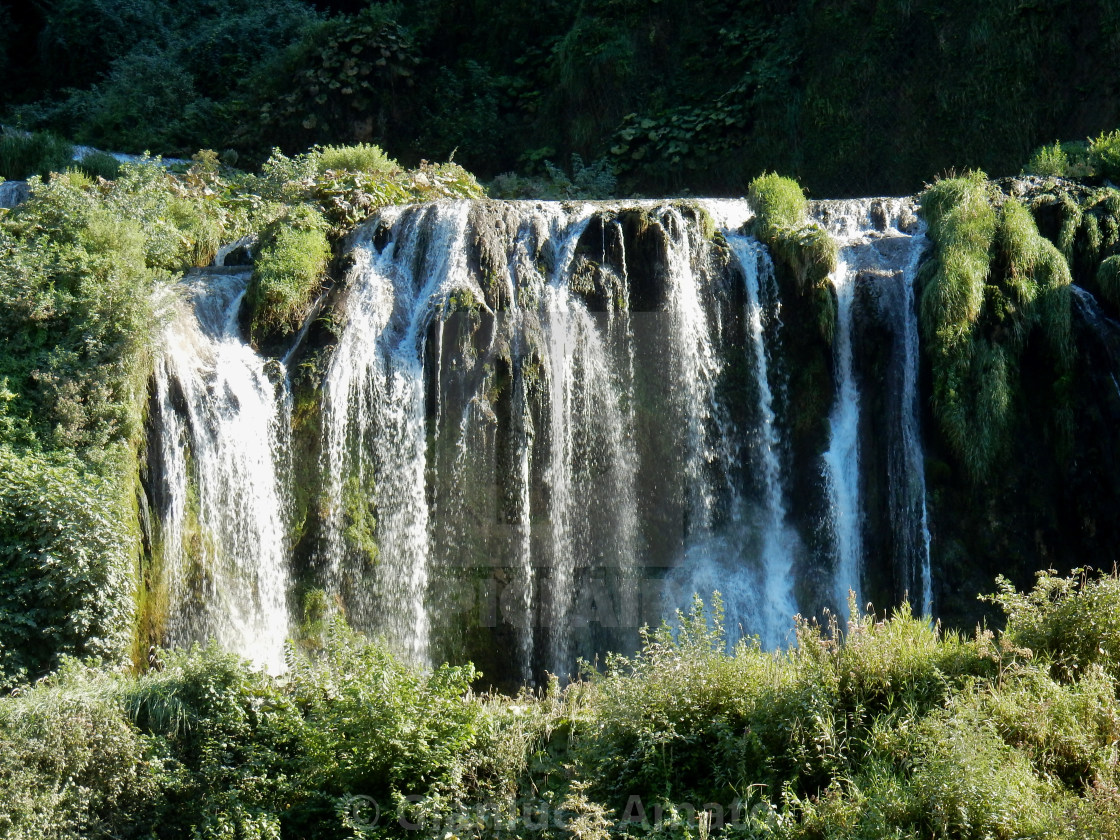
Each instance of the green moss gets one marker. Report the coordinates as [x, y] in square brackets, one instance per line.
[1071, 221]
[805, 250]
[962, 223]
[778, 203]
[993, 280]
[360, 522]
[461, 299]
[1108, 280]
[290, 267]
[314, 620]
[808, 250]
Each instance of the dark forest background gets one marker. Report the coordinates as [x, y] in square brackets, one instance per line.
[674, 95]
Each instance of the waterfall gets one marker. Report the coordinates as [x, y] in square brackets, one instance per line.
[739, 541]
[875, 250]
[221, 422]
[779, 542]
[910, 413]
[542, 426]
[388, 393]
[849, 223]
[375, 448]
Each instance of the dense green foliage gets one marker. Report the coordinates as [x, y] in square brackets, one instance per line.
[877, 728]
[66, 552]
[852, 98]
[1019, 439]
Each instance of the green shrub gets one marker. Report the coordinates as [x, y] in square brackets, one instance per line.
[71, 765]
[78, 311]
[1067, 731]
[778, 202]
[1104, 151]
[1073, 622]
[361, 157]
[376, 726]
[290, 266]
[593, 180]
[1048, 160]
[972, 783]
[66, 555]
[100, 165]
[24, 155]
[228, 746]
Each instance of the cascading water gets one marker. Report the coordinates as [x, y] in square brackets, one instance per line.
[842, 458]
[748, 557]
[914, 517]
[375, 452]
[875, 251]
[542, 425]
[221, 423]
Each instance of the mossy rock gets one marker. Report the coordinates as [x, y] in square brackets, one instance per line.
[288, 275]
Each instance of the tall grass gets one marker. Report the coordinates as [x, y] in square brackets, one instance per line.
[24, 155]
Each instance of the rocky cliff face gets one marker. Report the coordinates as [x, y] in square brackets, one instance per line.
[521, 430]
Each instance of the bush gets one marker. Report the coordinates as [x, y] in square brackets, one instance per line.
[1048, 160]
[361, 157]
[1104, 151]
[1073, 622]
[78, 312]
[24, 155]
[71, 765]
[66, 551]
[227, 744]
[376, 726]
[290, 266]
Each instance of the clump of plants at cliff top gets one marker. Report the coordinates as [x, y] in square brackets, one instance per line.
[88, 266]
[804, 247]
[883, 726]
[288, 271]
[992, 284]
[1095, 157]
